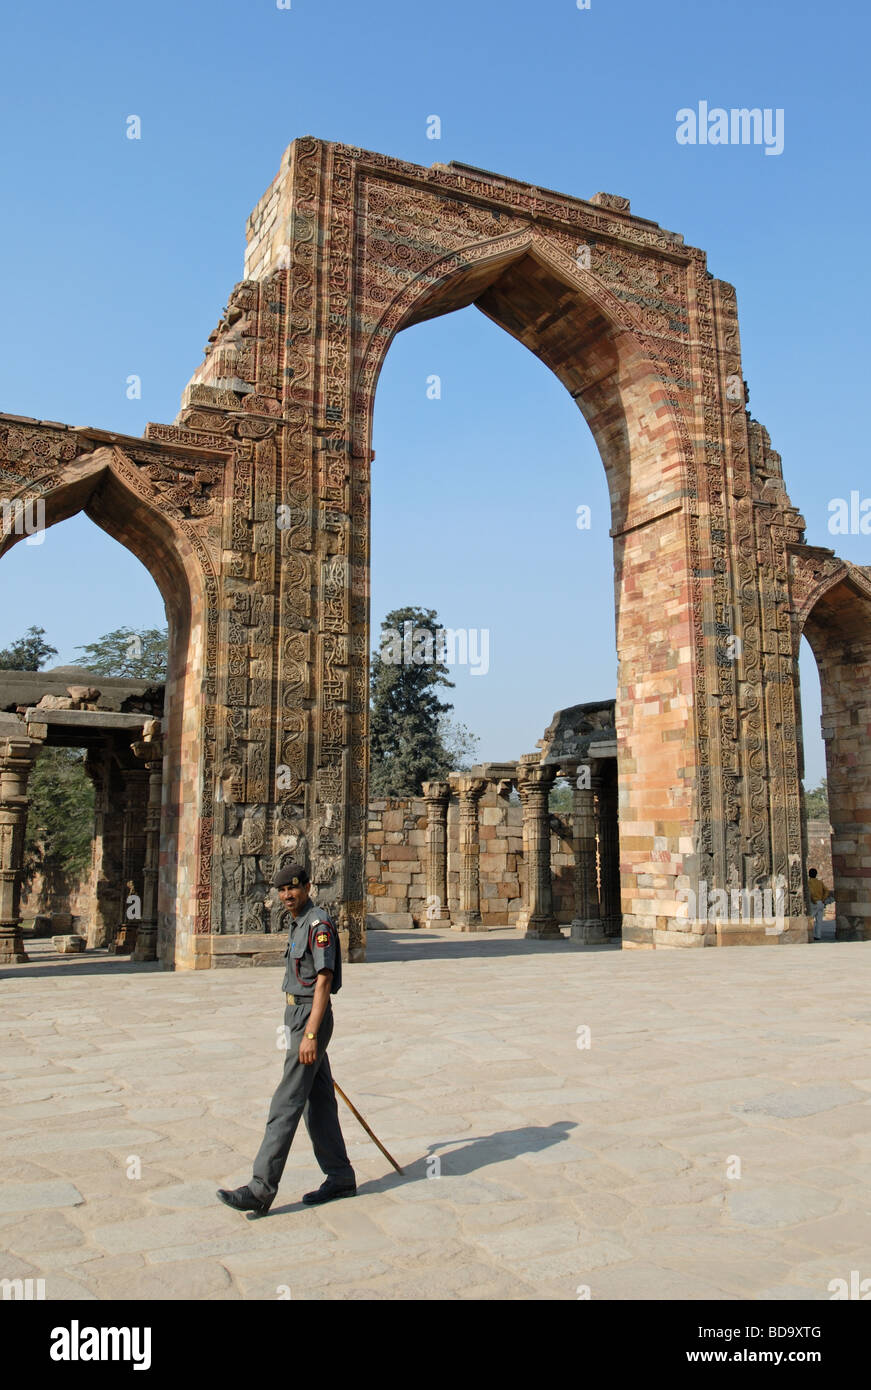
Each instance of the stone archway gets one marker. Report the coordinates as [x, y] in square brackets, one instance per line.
[832, 608]
[647, 341]
[264, 484]
[122, 493]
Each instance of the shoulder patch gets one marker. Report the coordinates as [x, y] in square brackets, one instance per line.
[322, 938]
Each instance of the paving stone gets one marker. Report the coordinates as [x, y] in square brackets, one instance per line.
[185, 1279]
[315, 1279]
[145, 1233]
[25, 1196]
[59, 1288]
[41, 1233]
[803, 1100]
[192, 1194]
[784, 1205]
[72, 1142]
[653, 1282]
[616, 1156]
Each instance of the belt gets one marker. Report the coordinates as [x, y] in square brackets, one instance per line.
[299, 998]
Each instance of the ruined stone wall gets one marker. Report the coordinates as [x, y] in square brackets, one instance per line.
[819, 849]
[396, 860]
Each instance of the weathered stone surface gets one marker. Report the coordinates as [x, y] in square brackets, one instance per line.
[25, 1196]
[69, 945]
[390, 921]
[803, 1100]
[542, 1187]
[252, 510]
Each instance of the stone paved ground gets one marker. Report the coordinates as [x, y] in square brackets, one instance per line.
[608, 1166]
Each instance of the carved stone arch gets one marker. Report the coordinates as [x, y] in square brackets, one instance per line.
[813, 571]
[524, 280]
[831, 607]
[264, 482]
[436, 288]
[113, 487]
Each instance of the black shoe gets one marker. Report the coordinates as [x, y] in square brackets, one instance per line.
[330, 1190]
[243, 1199]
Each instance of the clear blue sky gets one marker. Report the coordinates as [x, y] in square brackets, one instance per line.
[118, 256]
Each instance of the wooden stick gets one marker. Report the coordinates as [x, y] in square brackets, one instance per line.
[373, 1137]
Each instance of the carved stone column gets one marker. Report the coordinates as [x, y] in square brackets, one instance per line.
[587, 922]
[17, 756]
[105, 897]
[534, 784]
[136, 797]
[150, 750]
[609, 858]
[437, 795]
[469, 790]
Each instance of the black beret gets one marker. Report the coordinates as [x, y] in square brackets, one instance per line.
[291, 876]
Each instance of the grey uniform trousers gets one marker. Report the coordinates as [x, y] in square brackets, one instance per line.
[306, 1091]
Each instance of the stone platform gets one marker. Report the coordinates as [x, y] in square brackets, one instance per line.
[712, 1141]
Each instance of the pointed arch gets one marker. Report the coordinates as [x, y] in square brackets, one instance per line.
[113, 490]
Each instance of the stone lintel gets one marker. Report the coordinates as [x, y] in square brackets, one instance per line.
[496, 772]
[97, 720]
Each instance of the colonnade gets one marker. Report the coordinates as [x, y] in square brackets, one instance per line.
[595, 837]
[122, 911]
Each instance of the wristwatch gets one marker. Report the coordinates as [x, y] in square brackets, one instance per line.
[311, 1035]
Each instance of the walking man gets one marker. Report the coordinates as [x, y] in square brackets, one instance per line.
[314, 972]
[818, 894]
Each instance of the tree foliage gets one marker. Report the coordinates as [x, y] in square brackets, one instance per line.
[139, 655]
[817, 802]
[405, 741]
[561, 799]
[27, 653]
[60, 819]
[459, 743]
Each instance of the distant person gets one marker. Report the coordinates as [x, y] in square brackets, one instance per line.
[818, 895]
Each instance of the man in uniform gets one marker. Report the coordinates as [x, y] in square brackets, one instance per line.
[314, 972]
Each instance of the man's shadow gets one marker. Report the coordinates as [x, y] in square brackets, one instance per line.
[475, 1153]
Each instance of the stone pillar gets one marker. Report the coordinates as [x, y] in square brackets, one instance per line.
[150, 750]
[438, 795]
[469, 789]
[17, 756]
[609, 858]
[136, 796]
[587, 923]
[534, 784]
[106, 863]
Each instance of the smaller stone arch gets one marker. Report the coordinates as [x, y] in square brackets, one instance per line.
[146, 502]
[832, 609]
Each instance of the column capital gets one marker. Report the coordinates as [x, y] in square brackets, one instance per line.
[436, 791]
[532, 773]
[18, 749]
[150, 748]
[469, 788]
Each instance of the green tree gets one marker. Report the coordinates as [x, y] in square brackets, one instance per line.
[561, 797]
[817, 802]
[60, 819]
[28, 653]
[406, 746]
[135, 654]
